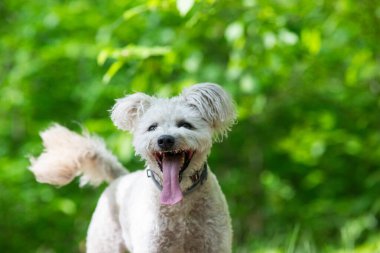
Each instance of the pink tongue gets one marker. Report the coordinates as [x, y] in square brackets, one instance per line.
[171, 192]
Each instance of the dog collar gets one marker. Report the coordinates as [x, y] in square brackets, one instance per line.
[197, 179]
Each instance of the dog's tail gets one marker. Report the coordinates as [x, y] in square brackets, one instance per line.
[68, 154]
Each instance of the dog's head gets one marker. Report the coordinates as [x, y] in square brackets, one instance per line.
[175, 135]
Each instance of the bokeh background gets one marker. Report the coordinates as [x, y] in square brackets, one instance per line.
[301, 168]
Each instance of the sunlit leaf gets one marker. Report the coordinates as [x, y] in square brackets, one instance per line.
[311, 39]
[130, 13]
[234, 31]
[102, 56]
[288, 37]
[184, 6]
[67, 206]
[139, 52]
[112, 71]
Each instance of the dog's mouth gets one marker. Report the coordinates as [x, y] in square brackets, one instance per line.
[183, 158]
[172, 164]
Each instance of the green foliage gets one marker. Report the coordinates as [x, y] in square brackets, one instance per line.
[300, 169]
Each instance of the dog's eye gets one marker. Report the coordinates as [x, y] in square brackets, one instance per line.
[185, 124]
[152, 127]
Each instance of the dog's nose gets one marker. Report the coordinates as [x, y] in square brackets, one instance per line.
[165, 141]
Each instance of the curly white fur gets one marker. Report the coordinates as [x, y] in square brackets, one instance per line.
[68, 155]
[214, 104]
[129, 215]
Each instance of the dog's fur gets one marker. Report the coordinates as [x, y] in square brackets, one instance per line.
[129, 215]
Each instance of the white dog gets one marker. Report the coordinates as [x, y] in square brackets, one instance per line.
[175, 204]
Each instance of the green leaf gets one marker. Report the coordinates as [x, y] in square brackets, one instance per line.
[128, 14]
[112, 71]
[102, 56]
[311, 39]
[139, 52]
[234, 31]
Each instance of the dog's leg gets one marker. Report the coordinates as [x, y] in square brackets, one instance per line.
[104, 234]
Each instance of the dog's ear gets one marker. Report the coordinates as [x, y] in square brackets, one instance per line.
[129, 109]
[214, 104]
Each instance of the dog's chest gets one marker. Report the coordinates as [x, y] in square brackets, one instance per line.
[183, 229]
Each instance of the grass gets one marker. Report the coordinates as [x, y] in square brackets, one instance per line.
[297, 242]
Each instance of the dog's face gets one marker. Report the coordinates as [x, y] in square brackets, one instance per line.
[175, 135]
[171, 126]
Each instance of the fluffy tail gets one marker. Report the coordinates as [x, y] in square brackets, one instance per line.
[68, 154]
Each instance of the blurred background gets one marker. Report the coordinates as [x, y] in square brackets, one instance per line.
[300, 169]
